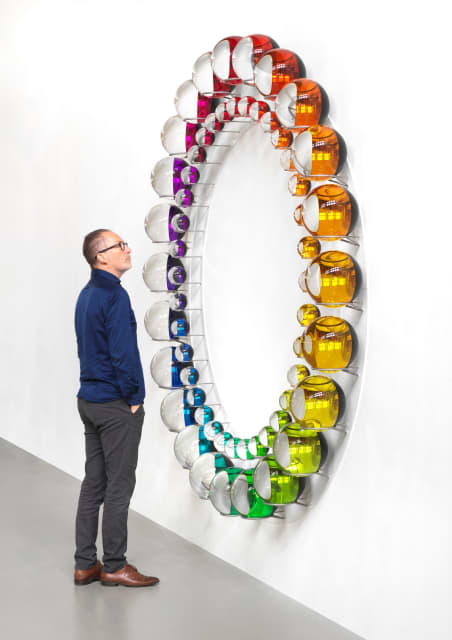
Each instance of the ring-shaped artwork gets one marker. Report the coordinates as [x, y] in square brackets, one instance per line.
[282, 470]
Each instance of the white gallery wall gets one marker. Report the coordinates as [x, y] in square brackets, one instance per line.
[85, 88]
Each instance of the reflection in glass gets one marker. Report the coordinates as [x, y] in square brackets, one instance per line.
[220, 491]
[247, 52]
[204, 470]
[307, 313]
[308, 248]
[246, 500]
[298, 452]
[319, 151]
[279, 419]
[162, 272]
[330, 278]
[222, 60]
[296, 374]
[163, 323]
[301, 103]
[205, 80]
[273, 485]
[327, 343]
[171, 367]
[177, 135]
[165, 223]
[276, 69]
[315, 402]
[327, 211]
[177, 409]
[192, 105]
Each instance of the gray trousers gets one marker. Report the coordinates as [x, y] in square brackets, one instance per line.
[112, 437]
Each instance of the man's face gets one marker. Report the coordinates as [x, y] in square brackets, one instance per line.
[116, 260]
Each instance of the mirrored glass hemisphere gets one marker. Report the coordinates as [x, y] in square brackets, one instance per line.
[186, 446]
[308, 248]
[298, 452]
[319, 152]
[165, 223]
[266, 436]
[171, 367]
[331, 277]
[247, 52]
[178, 408]
[307, 313]
[327, 211]
[220, 491]
[298, 185]
[204, 470]
[162, 323]
[190, 104]
[275, 486]
[327, 343]
[205, 80]
[301, 103]
[245, 498]
[279, 419]
[276, 69]
[315, 402]
[222, 60]
[177, 135]
[296, 374]
[162, 272]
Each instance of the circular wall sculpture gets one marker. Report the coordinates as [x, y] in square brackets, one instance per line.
[282, 470]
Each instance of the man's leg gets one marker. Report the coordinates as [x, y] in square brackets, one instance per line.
[120, 435]
[91, 494]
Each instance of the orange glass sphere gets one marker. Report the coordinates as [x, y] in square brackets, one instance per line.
[276, 69]
[318, 152]
[327, 211]
[330, 278]
[302, 103]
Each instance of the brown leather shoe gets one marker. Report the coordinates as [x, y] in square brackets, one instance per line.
[85, 576]
[128, 576]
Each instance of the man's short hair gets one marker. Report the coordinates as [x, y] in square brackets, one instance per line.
[92, 244]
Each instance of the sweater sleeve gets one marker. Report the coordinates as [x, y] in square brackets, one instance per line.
[122, 341]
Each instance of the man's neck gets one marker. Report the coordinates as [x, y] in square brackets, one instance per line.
[112, 271]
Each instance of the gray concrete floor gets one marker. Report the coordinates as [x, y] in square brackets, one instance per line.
[200, 596]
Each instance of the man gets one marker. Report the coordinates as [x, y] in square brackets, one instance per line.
[110, 403]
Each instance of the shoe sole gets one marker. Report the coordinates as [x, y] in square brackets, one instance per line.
[121, 584]
[80, 583]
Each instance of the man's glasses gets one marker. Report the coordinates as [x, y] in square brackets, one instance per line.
[121, 245]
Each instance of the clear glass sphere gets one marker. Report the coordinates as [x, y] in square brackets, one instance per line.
[155, 272]
[279, 419]
[256, 448]
[203, 74]
[173, 135]
[296, 374]
[189, 175]
[315, 402]
[165, 223]
[266, 436]
[204, 470]
[297, 451]
[203, 415]
[245, 499]
[156, 320]
[186, 101]
[273, 485]
[176, 415]
[195, 397]
[284, 399]
[162, 176]
[186, 446]
[212, 429]
[184, 197]
[222, 60]
[197, 155]
[177, 249]
[166, 369]
[220, 491]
